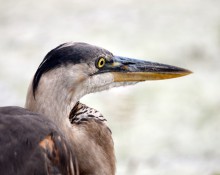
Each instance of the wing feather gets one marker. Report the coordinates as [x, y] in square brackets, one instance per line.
[32, 144]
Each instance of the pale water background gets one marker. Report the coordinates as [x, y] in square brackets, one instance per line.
[167, 127]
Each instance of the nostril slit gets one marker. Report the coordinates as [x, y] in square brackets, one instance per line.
[128, 63]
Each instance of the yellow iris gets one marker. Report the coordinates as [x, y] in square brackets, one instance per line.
[101, 62]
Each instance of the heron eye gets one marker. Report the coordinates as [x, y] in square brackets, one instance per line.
[101, 62]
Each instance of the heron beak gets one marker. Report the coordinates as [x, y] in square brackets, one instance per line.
[126, 69]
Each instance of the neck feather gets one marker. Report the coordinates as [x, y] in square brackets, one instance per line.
[55, 96]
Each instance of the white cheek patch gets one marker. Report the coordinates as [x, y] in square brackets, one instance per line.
[99, 82]
[102, 79]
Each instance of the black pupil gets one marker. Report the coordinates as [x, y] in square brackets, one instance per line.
[101, 62]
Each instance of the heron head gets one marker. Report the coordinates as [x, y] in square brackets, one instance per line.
[91, 69]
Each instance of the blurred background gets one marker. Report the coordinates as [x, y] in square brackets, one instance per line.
[159, 127]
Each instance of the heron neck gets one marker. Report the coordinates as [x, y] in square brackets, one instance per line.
[53, 102]
[55, 98]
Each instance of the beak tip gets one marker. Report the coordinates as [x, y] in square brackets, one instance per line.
[179, 73]
[185, 72]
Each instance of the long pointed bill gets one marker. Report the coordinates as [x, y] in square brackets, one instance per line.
[126, 69]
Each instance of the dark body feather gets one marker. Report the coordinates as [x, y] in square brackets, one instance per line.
[31, 144]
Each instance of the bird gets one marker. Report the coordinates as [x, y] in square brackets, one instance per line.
[55, 133]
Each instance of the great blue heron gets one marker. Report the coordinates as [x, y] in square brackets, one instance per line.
[55, 133]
